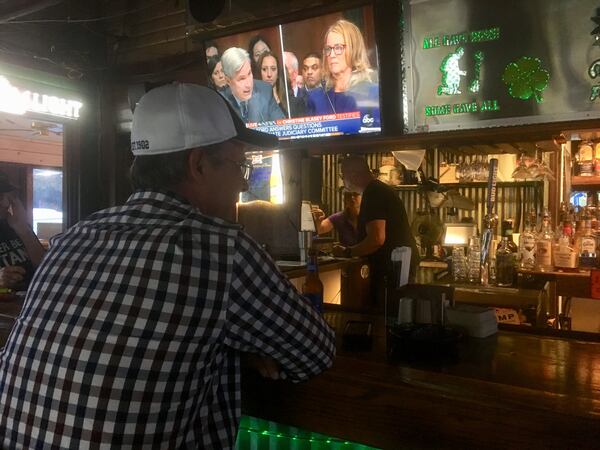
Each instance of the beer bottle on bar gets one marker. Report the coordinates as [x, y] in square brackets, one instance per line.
[312, 288]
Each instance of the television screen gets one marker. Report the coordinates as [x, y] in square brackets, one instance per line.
[509, 63]
[311, 78]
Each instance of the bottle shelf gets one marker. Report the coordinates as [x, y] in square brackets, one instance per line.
[585, 183]
[479, 184]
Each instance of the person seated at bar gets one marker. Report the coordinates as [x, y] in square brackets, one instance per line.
[344, 222]
[139, 317]
[20, 250]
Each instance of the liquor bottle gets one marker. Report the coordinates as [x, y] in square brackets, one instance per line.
[564, 252]
[505, 264]
[585, 159]
[527, 243]
[312, 288]
[587, 247]
[543, 244]
[507, 231]
[597, 159]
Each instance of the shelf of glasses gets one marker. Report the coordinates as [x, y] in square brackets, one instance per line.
[474, 184]
[477, 184]
[585, 182]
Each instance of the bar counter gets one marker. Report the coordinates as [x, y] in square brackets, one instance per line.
[510, 390]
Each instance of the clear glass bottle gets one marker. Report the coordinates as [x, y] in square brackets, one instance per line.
[585, 159]
[505, 264]
[527, 243]
[543, 244]
[564, 252]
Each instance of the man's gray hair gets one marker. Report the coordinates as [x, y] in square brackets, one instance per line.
[166, 171]
[233, 59]
[159, 171]
[289, 56]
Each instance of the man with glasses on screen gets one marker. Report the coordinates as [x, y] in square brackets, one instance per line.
[351, 84]
[252, 99]
[134, 330]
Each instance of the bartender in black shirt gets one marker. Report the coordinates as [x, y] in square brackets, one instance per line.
[20, 249]
[382, 225]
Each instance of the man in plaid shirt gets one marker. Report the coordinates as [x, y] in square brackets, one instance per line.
[133, 328]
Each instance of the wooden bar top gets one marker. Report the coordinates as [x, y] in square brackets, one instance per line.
[569, 284]
[295, 269]
[510, 390]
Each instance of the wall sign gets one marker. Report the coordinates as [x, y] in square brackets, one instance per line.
[17, 101]
[508, 63]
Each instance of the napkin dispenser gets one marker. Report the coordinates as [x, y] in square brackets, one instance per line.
[401, 263]
[307, 229]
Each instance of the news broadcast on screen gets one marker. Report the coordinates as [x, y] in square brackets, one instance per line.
[306, 79]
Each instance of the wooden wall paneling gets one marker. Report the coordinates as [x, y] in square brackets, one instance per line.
[29, 151]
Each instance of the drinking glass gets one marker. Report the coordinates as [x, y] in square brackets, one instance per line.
[474, 260]
[459, 265]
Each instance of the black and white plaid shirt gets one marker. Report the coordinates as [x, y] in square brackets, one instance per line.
[131, 332]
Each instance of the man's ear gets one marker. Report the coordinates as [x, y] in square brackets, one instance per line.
[196, 164]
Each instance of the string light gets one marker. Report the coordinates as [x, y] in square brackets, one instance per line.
[311, 439]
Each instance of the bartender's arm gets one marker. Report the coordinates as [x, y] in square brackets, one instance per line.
[371, 243]
[323, 224]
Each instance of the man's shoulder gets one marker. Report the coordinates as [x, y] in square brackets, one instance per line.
[316, 93]
[262, 87]
[302, 92]
[378, 186]
[336, 217]
[226, 92]
[161, 209]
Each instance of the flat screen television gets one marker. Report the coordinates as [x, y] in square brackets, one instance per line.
[509, 62]
[306, 79]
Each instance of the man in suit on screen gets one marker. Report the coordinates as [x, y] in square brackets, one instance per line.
[252, 99]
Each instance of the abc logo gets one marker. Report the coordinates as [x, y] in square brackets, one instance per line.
[367, 120]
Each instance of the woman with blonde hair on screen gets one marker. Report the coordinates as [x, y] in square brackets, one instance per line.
[350, 82]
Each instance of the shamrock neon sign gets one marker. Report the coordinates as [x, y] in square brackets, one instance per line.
[526, 78]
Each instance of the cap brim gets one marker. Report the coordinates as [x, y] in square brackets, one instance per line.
[251, 137]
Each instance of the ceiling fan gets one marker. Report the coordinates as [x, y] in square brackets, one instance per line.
[45, 128]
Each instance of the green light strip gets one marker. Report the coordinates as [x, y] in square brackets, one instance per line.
[299, 438]
[261, 434]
